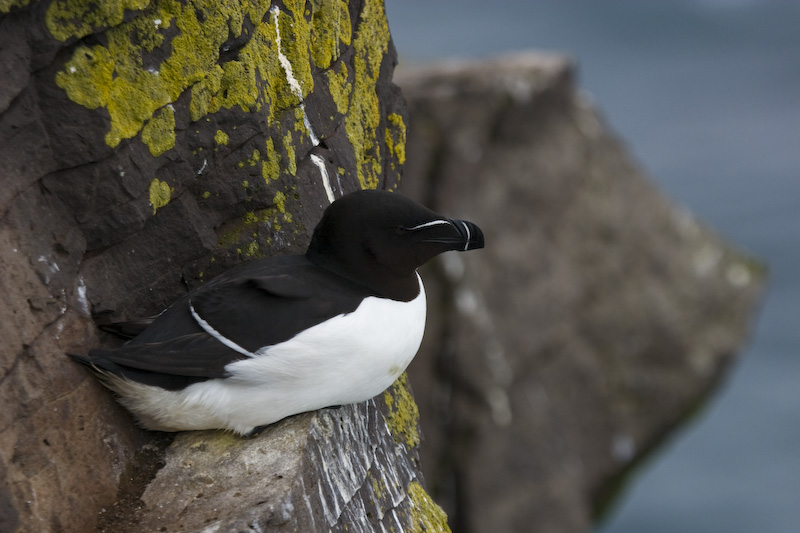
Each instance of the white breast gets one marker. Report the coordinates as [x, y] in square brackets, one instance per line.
[349, 358]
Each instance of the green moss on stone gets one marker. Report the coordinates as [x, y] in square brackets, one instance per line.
[160, 194]
[158, 133]
[403, 415]
[425, 514]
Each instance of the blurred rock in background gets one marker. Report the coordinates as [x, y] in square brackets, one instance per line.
[598, 319]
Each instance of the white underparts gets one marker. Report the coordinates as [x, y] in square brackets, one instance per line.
[346, 359]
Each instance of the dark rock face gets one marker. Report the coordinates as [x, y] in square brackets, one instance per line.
[596, 320]
[142, 152]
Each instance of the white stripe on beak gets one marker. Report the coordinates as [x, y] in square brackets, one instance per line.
[429, 224]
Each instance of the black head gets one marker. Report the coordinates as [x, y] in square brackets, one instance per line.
[379, 239]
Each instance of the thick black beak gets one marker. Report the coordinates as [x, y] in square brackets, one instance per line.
[471, 234]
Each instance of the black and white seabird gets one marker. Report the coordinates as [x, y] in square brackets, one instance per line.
[284, 335]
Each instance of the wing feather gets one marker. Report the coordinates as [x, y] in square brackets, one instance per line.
[258, 304]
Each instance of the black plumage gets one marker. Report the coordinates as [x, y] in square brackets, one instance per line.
[368, 243]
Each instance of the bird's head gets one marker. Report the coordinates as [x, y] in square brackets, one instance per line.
[378, 233]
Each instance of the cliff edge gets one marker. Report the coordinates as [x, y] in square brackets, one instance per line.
[144, 148]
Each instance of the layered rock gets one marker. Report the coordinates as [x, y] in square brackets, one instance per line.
[145, 147]
[355, 468]
[597, 319]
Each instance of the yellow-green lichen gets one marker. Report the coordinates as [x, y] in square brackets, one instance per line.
[160, 194]
[330, 25]
[425, 516]
[206, 195]
[295, 35]
[403, 413]
[244, 235]
[221, 138]
[204, 94]
[377, 487]
[253, 250]
[253, 160]
[339, 87]
[279, 201]
[270, 166]
[300, 120]
[291, 158]
[116, 76]
[396, 137]
[158, 133]
[7, 5]
[72, 18]
[362, 120]
[216, 444]
[251, 218]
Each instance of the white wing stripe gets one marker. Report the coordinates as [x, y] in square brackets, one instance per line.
[208, 328]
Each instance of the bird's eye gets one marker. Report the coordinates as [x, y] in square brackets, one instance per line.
[400, 230]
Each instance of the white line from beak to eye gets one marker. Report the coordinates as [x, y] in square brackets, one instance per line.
[208, 328]
[466, 246]
[429, 224]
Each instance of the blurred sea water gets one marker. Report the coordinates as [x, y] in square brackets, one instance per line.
[706, 93]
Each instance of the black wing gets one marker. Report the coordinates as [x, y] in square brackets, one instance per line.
[254, 311]
[172, 364]
[257, 304]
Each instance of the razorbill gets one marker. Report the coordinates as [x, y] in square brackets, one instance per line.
[284, 335]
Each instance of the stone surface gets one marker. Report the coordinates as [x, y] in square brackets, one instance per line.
[144, 149]
[597, 319]
[340, 469]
